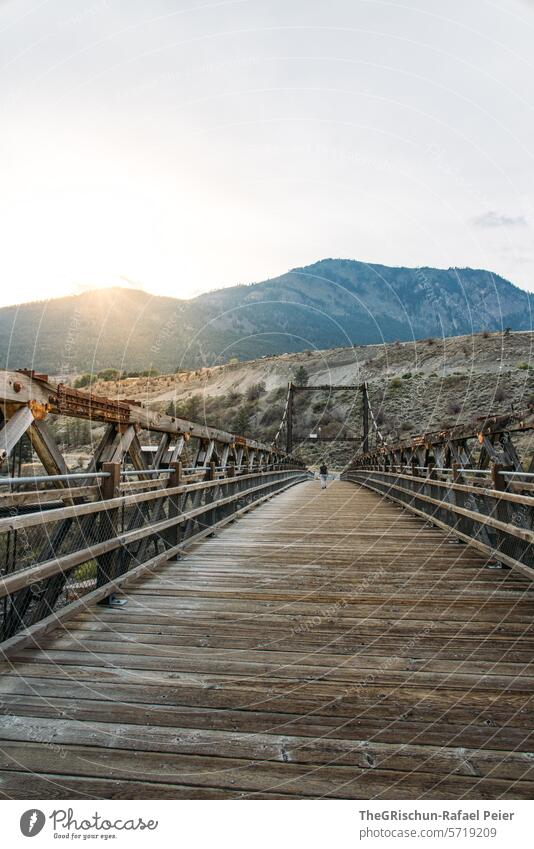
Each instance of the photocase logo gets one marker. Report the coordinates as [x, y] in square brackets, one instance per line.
[31, 822]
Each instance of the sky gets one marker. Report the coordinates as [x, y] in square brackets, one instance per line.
[182, 146]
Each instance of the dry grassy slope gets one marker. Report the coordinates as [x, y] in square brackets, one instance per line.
[413, 386]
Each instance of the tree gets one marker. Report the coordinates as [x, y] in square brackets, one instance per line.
[109, 374]
[84, 380]
[241, 421]
[255, 390]
[301, 376]
[192, 408]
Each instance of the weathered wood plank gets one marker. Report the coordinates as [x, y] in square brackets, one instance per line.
[328, 644]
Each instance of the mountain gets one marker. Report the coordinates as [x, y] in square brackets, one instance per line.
[334, 302]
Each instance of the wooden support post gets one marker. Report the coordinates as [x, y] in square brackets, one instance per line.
[499, 482]
[111, 486]
[211, 495]
[289, 420]
[175, 477]
[173, 534]
[230, 488]
[457, 498]
[106, 564]
[365, 418]
[502, 510]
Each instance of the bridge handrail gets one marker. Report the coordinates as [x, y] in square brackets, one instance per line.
[44, 517]
[26, 577]
[496, 521]
[161, 517]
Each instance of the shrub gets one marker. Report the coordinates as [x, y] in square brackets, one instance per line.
[255, 391]
[523, 365]
[396, 383]
[300, 376]
[330, 429]
[407, 375]
[189, 409]
[233, 398]
[84, 380]
[109, 374]
[272, 415]
[241, 421]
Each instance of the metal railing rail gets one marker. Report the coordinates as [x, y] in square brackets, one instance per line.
[486, 514]
[93, 547]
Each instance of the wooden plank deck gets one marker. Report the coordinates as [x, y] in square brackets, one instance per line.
[328, 644]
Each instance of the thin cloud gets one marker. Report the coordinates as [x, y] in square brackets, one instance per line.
[495, 219]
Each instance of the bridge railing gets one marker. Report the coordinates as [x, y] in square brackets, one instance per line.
[488, 508]
[68, 539]
[70, 556]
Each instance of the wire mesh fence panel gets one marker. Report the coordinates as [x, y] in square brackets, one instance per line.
[501, 524]
[52, 559]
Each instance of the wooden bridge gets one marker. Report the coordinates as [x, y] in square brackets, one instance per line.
[373, 640]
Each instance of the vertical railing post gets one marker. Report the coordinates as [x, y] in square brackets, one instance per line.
[365, 418]
[173, 534]
[497, 477]
[456, 498]
[501, 509]
[289, 420]
[210, 517]
[106, 564]
[111, 485]
[230, 489]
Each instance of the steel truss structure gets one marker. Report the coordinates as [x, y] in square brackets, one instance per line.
[471, 480]
[488, 441]
[69, 539]
[287, 421]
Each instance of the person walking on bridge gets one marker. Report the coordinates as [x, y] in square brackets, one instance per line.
[323, 474]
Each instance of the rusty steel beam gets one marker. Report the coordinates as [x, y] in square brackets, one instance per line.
[490, 432]
[23, 388]
[327, 439]
[327, 387]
